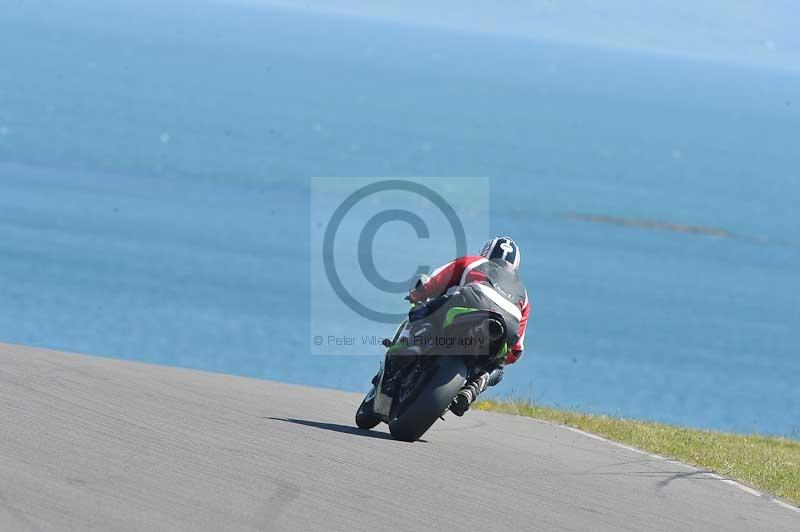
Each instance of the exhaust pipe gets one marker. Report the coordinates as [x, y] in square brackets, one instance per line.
[492, 329]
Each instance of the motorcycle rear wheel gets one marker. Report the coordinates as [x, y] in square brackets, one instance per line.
[414, 418]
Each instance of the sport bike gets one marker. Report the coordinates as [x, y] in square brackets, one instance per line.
[427, 362]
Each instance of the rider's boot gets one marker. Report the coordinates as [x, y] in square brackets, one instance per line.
[473, 389]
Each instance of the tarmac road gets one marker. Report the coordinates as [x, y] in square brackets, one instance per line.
[90, 443]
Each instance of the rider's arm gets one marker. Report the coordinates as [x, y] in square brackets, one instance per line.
[440, 280]
[517, 349]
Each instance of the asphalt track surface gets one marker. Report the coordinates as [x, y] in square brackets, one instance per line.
[90, 443]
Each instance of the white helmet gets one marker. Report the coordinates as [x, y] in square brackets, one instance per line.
[502, 248]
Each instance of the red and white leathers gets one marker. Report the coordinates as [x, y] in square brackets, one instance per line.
[463, 271]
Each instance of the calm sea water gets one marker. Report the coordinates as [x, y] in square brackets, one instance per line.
[155, 160]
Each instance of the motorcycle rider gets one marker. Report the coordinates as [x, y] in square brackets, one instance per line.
[488, 281]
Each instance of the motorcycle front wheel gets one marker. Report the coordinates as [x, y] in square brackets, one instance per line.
[366, 418]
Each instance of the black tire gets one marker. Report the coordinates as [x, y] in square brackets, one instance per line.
[366, 418]
[414, 419]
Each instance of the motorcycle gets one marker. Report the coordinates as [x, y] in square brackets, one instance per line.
[425, 366]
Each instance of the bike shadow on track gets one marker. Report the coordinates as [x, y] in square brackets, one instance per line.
[335, 427]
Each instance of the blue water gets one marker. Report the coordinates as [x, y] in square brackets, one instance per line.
[156, 158]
